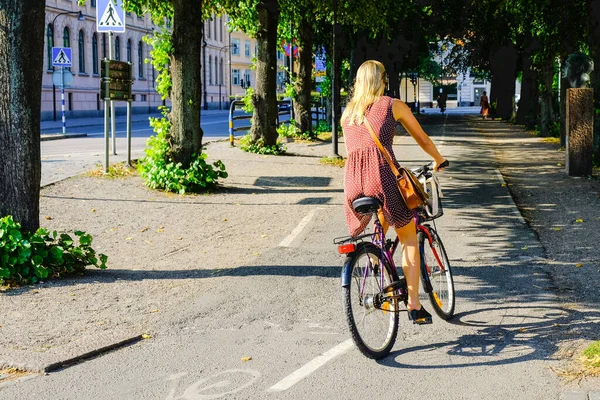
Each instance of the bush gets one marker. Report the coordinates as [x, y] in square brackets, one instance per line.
[259, 147]
[30, 257]
[291, 131]
[160, 172]
[323, 126]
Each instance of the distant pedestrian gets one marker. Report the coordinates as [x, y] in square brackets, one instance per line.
[485, 105]
[441, 100]
[368, 174]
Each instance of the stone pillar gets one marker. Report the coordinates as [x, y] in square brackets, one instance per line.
[580, 131]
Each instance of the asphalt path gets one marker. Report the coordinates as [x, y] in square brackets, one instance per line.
[275, 329]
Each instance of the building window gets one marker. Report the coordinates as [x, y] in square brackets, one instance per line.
[117, 49]
[279, 55]
[142, 97]
[93, 3]
[221, 72]
[66, 38]
[247, 78]
[235, 47]
[208, 23]
[81, 49]
[141, 59]
[49, 45]
[104, 45]
[95, 54]
[210, 70]
[247, 48]
[215, 19]
[128, 50]
[235, 75]
[67, 41]
[221, 29]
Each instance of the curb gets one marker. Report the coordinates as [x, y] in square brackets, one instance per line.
[45, 137]
[82, 357]
[41, 368]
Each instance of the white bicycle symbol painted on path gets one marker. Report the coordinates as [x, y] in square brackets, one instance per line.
[215, 386]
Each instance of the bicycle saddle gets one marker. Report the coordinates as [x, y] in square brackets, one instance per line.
[366, 205]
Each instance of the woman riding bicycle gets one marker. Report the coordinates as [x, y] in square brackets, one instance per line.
[368, 174]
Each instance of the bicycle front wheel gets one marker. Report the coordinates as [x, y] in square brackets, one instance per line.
[372, 319]
[436, 273]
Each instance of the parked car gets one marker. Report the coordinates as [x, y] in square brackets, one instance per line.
[285, 105]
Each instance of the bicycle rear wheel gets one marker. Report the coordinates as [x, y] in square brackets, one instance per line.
[436, 274]
[373, 320]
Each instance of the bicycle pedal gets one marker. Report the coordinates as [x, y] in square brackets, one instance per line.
[397, 285]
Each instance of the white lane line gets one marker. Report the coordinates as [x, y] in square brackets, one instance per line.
[297, 230]
[310, 367]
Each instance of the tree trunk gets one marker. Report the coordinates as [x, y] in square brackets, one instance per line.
[302, 105]
[594, 43]
[503, 65]
[546, 106]
[264, 99]
[21, 63]
[528, 103]
[563, 104]
[186, 93]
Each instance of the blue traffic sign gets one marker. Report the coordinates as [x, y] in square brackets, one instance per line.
[61, 57]
[110, 16]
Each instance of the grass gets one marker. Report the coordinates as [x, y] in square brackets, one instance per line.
[116, 170]
[553, 140]
[590, 359]
[334, 161]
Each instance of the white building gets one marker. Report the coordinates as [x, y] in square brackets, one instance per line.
[82, 99]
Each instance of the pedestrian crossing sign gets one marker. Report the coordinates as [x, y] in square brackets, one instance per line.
[61, 57]
[110, 16]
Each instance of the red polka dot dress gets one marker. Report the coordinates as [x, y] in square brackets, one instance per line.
[367, 173]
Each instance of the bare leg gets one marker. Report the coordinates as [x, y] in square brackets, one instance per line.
[411, 264]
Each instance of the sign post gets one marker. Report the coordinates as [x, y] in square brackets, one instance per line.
[61, 57]
[117, 79]
[110, 17]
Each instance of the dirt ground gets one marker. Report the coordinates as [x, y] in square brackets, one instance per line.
[159, 244]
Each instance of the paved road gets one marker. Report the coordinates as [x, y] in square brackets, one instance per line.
[68, 157]
[283, 310]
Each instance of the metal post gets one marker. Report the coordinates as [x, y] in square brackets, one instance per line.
[292, 114]
[129, 132]
[129, 116]
[231, 110]
[54, 100]
[106, 138]
[334, 85]
[105, 82]
[62, 99]
[112, 104]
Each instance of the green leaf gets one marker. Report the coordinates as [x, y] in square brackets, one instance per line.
[66, 239]
[37, 260]
[85, 240]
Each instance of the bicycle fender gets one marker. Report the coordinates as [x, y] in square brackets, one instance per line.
[347, 271]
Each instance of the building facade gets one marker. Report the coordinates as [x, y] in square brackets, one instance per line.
[243, 54]
[89, 47]
[216, 63]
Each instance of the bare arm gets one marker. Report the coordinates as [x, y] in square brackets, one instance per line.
[403, 114]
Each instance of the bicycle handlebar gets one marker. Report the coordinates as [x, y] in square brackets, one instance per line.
[428, 167]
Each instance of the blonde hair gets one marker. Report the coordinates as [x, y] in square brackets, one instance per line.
[369, 86]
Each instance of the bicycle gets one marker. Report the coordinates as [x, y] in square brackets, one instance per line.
[371, 286]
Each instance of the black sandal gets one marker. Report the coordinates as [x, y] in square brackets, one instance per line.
[420, 317]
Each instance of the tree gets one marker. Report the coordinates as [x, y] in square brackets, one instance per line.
[185, 134]
[259, 19]
[21, 63]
